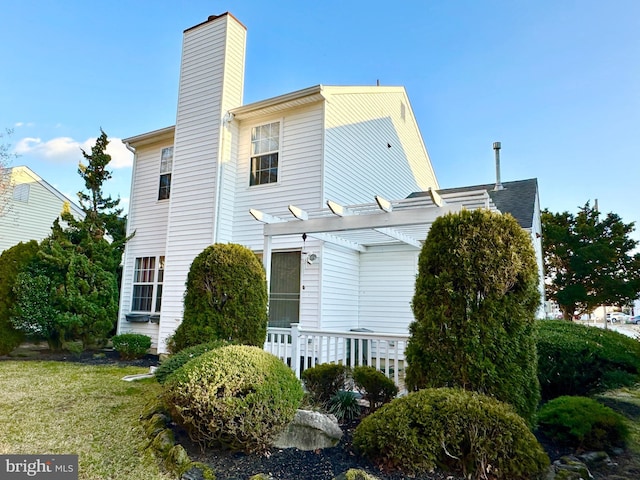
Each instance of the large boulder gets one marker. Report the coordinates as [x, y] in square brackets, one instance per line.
[310, 431]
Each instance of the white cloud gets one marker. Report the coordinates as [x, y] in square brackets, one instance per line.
[120, 156]
[67, 150]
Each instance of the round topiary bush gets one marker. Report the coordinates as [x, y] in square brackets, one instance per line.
[323, 381]
[452, 429]
[576, 359]
[474, 305]
[225, 298]
[236, 397]
[177, 360]
[374, 386]
[582, 423]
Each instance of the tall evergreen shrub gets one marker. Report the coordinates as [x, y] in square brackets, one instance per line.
[474, 305]
[12, 262]
[225, 299]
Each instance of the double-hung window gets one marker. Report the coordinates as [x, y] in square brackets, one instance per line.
[147, 284]
[265, 147]
[166, 165]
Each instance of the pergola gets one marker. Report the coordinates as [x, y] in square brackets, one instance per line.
[362, 227]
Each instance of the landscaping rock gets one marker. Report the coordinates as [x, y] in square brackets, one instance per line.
[178, 460]
[163, 442]
[310, 431]
[596, 458]
[568, 468]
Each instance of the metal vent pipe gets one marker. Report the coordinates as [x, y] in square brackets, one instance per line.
[496, 149]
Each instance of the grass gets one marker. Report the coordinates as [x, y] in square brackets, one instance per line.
[66, 408]
[627, 402]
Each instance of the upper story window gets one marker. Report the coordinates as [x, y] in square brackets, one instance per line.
[166, 164]
[265, 145]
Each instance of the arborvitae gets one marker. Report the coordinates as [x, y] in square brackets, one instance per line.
[226, 298]
[475, 302]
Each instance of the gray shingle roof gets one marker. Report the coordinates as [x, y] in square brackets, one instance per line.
[517, 198]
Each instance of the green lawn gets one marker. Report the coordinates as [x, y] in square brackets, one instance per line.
[64, 408]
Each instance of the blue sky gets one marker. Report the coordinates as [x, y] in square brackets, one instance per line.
[556, 81]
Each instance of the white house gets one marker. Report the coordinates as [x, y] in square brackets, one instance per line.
[331, 185]
[28, 207]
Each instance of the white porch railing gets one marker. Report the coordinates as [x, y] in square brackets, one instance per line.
[305, 348]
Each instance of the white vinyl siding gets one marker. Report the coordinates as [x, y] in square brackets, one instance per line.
[299, 173]
[387, 282]
[340, 277]
[147, 221]
[370, 149]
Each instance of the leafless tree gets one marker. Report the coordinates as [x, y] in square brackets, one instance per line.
[5, 171]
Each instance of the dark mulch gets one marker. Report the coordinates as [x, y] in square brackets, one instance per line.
[292, 464]
[105, 356]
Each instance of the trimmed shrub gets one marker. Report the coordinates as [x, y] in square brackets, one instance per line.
[374, 386]
[225, 299]
[452, 429]
[474, 305]
[131, 345]
[582, 423]
[578, 360]
[236, 397]
[174, 362]
[12, 262]
[323, 381]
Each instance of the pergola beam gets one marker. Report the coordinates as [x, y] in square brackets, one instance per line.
[396, 218]
[393, 233]
[265, 217]
[342, 242]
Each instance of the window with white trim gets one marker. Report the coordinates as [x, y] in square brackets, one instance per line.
[166, 165]
[147, 284]
[265, 148]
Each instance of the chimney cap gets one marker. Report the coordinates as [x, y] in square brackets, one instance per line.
[497, 145]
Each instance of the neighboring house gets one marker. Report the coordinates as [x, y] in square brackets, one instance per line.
[29, 207]
[343, 265]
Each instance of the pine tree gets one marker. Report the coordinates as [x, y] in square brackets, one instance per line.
[80, 260]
